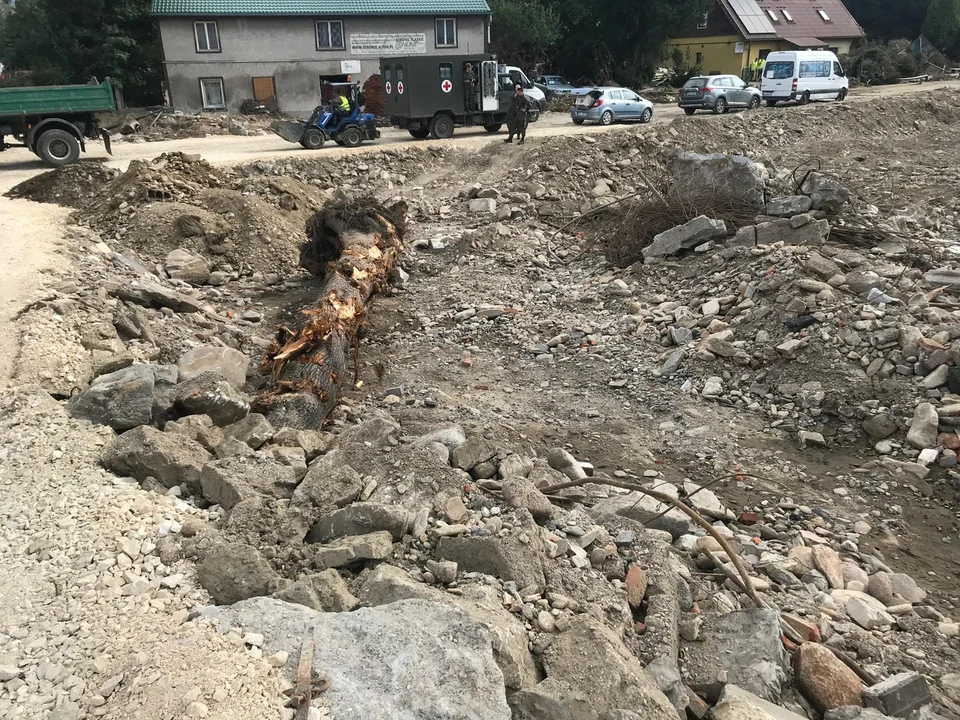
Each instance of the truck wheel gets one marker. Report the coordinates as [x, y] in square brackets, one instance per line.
[351, 137]
[57, 148]
[420, 133]
[771, 103]
[312, 139]
[441, 127]
[493, 127]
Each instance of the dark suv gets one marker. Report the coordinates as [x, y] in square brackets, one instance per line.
[718, 93]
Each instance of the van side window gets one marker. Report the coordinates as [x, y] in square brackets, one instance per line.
[779, 69]
[399, 74]
[815, 68]
[446, 71]
[388, 73]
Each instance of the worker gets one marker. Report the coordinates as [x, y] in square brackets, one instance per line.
[761, 63]
[341, 105]
[517, 116]
[754, 69]
[469, 88]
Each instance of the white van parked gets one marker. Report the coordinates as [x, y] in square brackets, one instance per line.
[803, 75]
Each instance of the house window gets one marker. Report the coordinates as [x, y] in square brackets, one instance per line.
[787, 15]
[329, 35]
[773, 16]
[826, 18]
[207, 37]
[702, 22]
[699, 59]
[446, 32]
[211, 92]
[446, 71]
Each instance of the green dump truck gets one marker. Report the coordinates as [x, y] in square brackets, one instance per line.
[54, 121]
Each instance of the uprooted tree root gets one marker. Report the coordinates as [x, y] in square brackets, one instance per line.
[353, 245]
[625, 228]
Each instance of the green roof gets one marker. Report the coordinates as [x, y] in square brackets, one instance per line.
[319, 7]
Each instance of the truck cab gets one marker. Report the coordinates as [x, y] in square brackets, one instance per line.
[536, 95]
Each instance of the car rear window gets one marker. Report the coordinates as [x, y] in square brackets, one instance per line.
[778, 70]
[590, 98]
[696, 83]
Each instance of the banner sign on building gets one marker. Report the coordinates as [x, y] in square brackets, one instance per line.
[380, 44]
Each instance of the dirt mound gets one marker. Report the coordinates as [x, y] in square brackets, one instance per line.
[71, 186]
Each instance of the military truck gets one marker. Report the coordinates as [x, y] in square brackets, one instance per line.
[427, 96]
[53, 121]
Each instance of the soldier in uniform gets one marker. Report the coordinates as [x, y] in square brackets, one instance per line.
[469, 88]
[517, 116]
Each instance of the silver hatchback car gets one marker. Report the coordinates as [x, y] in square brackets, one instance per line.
[718, 93]
[607, 105]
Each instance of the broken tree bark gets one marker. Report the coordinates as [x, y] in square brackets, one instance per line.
[352, 245]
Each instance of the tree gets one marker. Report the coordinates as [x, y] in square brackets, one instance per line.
[942, 26]
[524, 32]
[64, 41]
[889, 19]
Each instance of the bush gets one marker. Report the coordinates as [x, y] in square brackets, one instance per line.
[681, 69]
[876, 63]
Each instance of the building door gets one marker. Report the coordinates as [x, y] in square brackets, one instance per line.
[326, 86]
[264, 88]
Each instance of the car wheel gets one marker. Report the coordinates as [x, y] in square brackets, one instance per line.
[720, 106]
[312, 139]
[441, 127]
[842, 96]
[647, 115]
[578, 121]
[57, 148]
[607, 118]
[420, 133]
[754, 103]
[689, 111]
[805, 98]
[771, 103]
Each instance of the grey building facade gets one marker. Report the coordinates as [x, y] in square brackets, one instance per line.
[219, 53]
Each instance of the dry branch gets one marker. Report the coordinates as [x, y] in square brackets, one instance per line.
[353, 245]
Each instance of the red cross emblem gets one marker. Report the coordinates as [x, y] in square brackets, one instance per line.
[446, 86]
[400, 88]
[388, 88]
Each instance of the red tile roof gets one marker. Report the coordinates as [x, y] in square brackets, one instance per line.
[807, 19]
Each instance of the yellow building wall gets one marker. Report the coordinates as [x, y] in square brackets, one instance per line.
[720, 54]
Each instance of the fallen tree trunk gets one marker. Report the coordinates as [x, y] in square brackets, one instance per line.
[353, 245]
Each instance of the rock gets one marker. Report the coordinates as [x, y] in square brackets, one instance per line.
[146, 452]
[328, 486]
[153, 294]
[880, 586]
[906, 587]
[880, 426]
[609, 673]
[866, 615]
[254, 430]
[227, 482]
[818, 265]
[376, 429]
[199, 428]
[742, 648]
[636, 584]
[508, 558]
[852, 712]
[394, 661]
[451, 437]
[232, 572]
[520, 492]
[354, 549]
[551, 699]
[181, 265]
[949, 683]
[444, 571]
[483, 206]
[562, 461]
[210, 394]
[828, 562]
[825, 193]
[942, 276]
[122, 400]
[473, 452]
[738, 704]
[898, 695]
[666, 675]
[923, 429]
[788, 206]
[813, 233]
[359, 519]
[332, 591]
[824, 679]
[231, 364]
[646, 510]
[746, 237]
[685, 237]
[733, 176]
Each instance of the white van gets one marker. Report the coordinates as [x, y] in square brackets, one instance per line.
[803, 75]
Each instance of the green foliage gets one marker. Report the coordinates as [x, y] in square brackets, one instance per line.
[877, 63]
[889, 19]
[524, 32]
[681, 69]
[942, 26]
[64, 41]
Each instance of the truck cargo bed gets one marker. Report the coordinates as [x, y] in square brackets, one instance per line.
[56, 100]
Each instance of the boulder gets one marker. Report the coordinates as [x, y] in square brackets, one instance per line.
[553, 699]
[232, 572]
[732, 176]
[483, 206]
[328, 486]
[199, 428]
[685, 237]
[475, 451]
[359, 519]
[923, 429]
[146, 452]
[788, 206]
[376, 430]
[520, 492]
[450, 437]
[210, 394]
[647, 510]
[231, 364]
[737, 704]
[798, 230]
[254, 430]
[354, 549]
[825, 192]
[824, 679]
[226, 482]
[394, 661]
[181, 265]
[152, 294]
[122, 399]
[880, 426]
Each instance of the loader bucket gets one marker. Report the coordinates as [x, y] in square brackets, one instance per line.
[289, 130]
